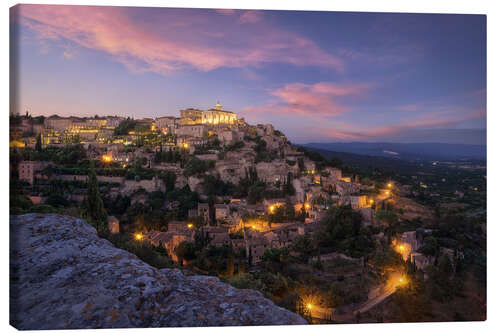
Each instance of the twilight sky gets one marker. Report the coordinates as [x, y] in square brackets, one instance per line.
[317, 76]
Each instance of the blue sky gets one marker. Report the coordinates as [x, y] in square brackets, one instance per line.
[317, 76]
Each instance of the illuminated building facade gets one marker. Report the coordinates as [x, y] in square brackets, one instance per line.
[50, 136]
[58, 123]
[166, 124]
[214, 116]
[217, 116]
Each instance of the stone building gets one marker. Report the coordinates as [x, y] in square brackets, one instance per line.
[218, 116]
[227, 137]
[58, 123]
[221, 212]
[166, 124]
[203, 211]
[214, 116]
[27, 170]
[359, 201]
[114, 121]
[197, 131]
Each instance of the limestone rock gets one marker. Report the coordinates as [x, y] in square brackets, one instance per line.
[63, 276]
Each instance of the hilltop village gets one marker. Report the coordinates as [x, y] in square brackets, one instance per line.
[210, 193]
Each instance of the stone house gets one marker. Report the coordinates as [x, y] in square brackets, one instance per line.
[272, 172]
[196, 131]
[221, 212]
[411, 240]
[179, 227]
[227, 137]
[420, 260]
[255, 248]
[218, 236]
[204, 211]
[166, 124]
[28, 169]
[358, 201]
[193, 213]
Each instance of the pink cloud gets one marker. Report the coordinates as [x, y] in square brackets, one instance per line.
[315, 100]
[423, 122]
[251, 16]
[172, 40]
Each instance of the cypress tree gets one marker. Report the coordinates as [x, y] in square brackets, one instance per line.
[38, 145]
[95, 207]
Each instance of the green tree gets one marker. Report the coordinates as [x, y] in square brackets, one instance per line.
[386, 217]
[288, 187]
[38, 144]
[95, 211]
[303, 245]
[186, 251]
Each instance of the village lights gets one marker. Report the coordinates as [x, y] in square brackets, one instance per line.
[307, 205]
[389, 185]
[185, 146]
[190, 225]
[371, 201]
[309, 306]
[138, 236]
[271, 209]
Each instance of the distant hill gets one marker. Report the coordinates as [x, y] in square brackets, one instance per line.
[406, 151]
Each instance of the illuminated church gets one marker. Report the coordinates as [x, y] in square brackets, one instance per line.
[214, 116]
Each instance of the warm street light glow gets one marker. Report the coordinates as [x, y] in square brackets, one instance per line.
[389, 185]
[138, 236]
[190, 225]
[404, 249]
[371, 201]
[107, 158]
[402, 281]
[272, 208]
[307, 205]
[309, 306]
[185, 145]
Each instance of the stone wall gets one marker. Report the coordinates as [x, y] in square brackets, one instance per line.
[129, 186]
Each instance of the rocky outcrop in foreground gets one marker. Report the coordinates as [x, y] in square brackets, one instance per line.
[64, 276]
